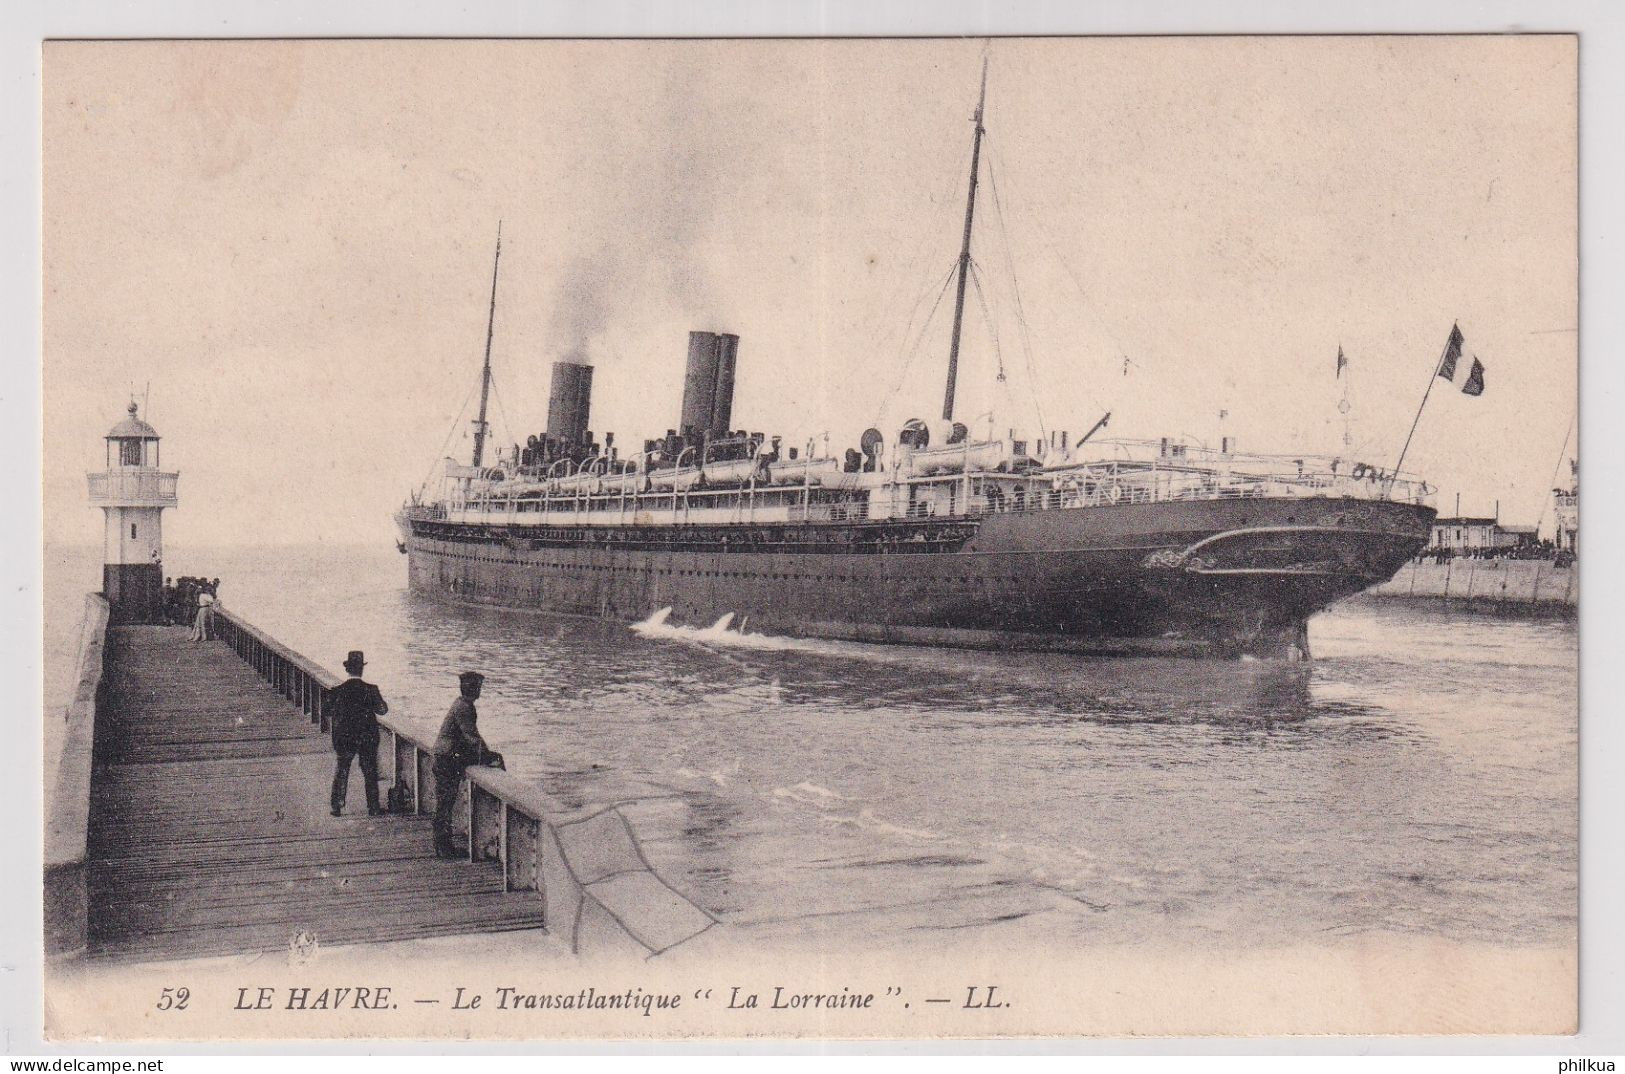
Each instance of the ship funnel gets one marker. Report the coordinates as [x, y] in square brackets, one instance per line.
[699, 383]
[722, 405]
[568, 403]
[708, 385]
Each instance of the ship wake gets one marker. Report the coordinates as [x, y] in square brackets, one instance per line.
[720, 633]
[725, 634]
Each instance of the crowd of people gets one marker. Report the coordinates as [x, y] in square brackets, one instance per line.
[1542, 550]
[190, 602]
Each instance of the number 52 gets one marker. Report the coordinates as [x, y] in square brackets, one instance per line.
[174, 999]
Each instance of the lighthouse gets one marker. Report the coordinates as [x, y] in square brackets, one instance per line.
[132, 492]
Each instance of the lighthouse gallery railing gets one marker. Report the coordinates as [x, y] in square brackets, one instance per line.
[133, 487]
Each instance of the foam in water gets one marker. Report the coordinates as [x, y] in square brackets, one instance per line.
[721, 776]
[722, 634]
[811, 793]
[830, 806]
[867, 820]
[719, 633]
[654, 622]
[719, 629]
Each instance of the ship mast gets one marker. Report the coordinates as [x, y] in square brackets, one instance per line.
[480, 426]
[964, 253]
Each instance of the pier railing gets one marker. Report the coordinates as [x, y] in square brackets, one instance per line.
[587, 865]
[293, 675]
[67, 807]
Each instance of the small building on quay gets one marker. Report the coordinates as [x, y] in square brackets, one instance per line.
[1466, 535]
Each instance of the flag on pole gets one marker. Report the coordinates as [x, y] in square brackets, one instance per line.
[1475, 379]
[1452, 354]
[1341, 361]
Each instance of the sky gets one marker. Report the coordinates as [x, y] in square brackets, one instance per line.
[285, 250]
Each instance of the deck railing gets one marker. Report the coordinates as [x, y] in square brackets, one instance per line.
[1104, 482]
[587, 865]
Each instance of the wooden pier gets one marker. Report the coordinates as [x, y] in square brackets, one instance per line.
[190, 819]
[210, 832]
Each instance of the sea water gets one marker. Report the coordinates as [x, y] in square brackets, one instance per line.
[1418, 776]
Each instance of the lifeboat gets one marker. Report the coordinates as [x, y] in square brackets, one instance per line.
[679, 479]
[957, 458]
[732, 472]
[576, 484]
[804, 471]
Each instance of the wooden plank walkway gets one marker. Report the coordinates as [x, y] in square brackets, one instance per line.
[210, 832]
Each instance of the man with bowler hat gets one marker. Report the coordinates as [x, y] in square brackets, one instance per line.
[355, 706]
[458, 746]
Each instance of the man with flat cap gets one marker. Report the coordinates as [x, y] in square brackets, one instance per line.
[355, 707]
[459, 746]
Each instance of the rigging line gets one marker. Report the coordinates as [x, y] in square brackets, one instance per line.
[909, 353]
[456, 423]
[987, 315]
[998, 203]
[507, 426]
[1015, 288]
[907, 269]
[919, 300]
[1055, 251]
[1552, 484]
[870, 327]
[912, 351]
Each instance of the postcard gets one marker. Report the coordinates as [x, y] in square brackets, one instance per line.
[810, 538]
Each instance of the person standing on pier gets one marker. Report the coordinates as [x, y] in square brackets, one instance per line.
[203, 622]
[458, 746]
[356, 706]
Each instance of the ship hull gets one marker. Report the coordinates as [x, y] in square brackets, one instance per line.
[1217, 577]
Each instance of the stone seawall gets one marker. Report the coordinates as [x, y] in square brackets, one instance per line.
[1505, 586]
[67, 797]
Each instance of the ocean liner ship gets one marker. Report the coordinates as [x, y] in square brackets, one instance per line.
[918, 535]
